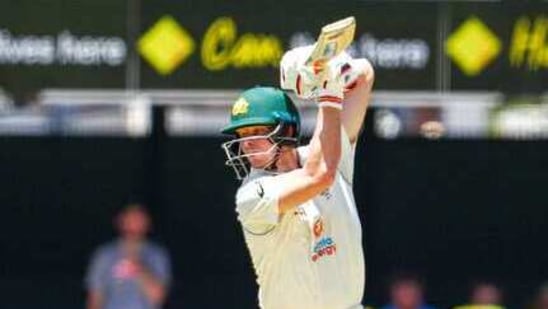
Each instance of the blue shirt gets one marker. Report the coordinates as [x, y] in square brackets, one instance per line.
[125, 293]
[424, 306]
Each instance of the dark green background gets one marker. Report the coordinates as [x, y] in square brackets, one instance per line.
[383, 19]
[47, 17]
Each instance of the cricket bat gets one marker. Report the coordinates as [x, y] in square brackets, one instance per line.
[333, 39]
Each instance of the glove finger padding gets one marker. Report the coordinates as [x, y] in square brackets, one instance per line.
[327, 82]
[349, 69]
[296, 76]
[331, 92]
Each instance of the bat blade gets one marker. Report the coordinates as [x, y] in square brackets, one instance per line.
[333, 39]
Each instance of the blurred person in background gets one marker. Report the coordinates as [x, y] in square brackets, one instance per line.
[541, 299]
[407, 292]
[486, 293]
[130, 272]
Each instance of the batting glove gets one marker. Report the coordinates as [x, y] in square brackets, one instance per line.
[296, 76]
[348, 68]
[331, 91]
[319, 82]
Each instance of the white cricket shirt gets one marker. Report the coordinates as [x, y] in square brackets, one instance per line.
[311, 258]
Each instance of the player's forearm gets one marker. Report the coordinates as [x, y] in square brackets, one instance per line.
[356, 101]
[325, 146]
[319, 170]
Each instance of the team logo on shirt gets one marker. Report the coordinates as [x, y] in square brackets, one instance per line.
[325, 247]
[318, 227]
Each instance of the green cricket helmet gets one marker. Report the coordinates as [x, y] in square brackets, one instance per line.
[261, 106]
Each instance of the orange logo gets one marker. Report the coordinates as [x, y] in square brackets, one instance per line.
[318, 227]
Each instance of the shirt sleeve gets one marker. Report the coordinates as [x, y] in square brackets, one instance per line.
[257, 205]
[95, 277]
[348, 150]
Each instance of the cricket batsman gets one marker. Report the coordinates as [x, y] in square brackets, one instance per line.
[295, 203]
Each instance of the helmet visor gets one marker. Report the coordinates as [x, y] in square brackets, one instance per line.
[240, 160]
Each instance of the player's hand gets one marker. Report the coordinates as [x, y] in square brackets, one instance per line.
[295, 75]
[322, 81]
[350, 69]
[313, 82]
[331, 91]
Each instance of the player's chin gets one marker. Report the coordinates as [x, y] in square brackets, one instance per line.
[260, 161]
